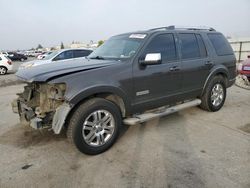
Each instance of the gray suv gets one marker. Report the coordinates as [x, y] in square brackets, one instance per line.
[131, 78]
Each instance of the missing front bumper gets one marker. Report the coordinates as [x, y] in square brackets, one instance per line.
[28, 116]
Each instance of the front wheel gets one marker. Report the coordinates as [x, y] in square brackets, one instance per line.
[214, 95]
[94, 126]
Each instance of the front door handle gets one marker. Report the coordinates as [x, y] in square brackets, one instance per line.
[174, 68]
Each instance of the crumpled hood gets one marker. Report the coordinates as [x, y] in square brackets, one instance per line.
[45, 72]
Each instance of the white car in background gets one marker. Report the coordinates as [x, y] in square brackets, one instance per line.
[58, 56]
[43, 55]
[5, 64]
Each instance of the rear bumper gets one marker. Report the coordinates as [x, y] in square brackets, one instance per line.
[231, 82]
[246, 73]
[10, 67]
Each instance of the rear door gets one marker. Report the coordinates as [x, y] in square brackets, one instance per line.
[195, 61]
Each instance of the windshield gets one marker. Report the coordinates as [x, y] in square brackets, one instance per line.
[50, 55]
[118, 47]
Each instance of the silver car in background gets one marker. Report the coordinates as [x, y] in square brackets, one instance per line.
[58, 56]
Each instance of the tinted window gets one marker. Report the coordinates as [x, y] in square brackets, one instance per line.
[164, 44]
[222, 47]
[189, 46]
[81, 53]
[203, 51]
[65, 55]
[0, 58]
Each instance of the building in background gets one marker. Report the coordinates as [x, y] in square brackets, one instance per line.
[241, 47]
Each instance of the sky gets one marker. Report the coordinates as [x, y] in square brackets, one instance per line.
[27, 23]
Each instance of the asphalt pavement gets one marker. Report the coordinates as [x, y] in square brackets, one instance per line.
[192, 148]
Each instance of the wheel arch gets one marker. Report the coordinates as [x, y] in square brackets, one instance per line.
[221, 70]
[112, 94]
[5, 68]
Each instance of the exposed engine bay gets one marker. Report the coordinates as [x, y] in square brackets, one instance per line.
[38, 104]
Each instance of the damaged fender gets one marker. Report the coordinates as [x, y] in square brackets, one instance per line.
[60, 117]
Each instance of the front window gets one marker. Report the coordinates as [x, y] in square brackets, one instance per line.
[119, 47]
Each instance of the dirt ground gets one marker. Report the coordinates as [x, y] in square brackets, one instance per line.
[192, 148]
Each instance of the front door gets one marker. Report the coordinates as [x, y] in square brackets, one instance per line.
[154, 84]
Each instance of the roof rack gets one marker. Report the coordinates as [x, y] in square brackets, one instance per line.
[172, 27]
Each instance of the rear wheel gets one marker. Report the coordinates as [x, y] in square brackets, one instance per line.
[214, 95]
[3, 70]
[94, 126]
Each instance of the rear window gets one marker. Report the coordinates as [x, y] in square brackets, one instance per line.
[81, 53]
[220, 44]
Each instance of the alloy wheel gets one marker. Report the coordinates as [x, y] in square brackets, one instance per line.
[98, 128]
[217, 94]
[2, 70]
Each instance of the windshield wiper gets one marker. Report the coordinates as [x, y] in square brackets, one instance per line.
[97, 57]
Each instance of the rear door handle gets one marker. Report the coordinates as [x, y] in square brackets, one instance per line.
[175, 68]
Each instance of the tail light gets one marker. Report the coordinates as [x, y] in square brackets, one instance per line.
[9, 62]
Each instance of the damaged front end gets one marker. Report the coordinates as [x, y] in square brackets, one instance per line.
[42, 105]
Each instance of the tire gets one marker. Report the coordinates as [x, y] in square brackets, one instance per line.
[87, 129]
[22, 59]
[214, 94]
[3, 70]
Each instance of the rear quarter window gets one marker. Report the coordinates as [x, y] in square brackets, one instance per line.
[220, 44]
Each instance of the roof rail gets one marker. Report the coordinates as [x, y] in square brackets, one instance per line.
[172, 27]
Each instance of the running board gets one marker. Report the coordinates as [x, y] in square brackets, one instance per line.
[159, 113]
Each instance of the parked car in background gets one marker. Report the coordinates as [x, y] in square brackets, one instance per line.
[58, 56]
[5, 64]
[17, 57]
[32, 53]
[28, 53]
[244, 68]
[43, 55]
[5, 53]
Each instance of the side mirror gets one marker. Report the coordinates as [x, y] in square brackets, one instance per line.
[151, 59]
